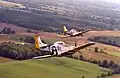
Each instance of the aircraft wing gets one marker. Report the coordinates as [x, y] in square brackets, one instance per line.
[65, 36]
[85, 31]
[82, 47]
[78, 48]
[81, 33]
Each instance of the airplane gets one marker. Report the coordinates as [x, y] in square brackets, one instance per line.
[73, 32]
[59, 48]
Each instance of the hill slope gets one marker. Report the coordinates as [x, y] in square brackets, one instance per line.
[49, 68]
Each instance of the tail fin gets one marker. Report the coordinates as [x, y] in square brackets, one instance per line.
[38, 43]
[65, 29]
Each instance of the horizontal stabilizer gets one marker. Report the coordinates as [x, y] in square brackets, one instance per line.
[45, 56]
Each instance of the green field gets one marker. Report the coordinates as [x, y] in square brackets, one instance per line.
[114, 53]
[55, 67]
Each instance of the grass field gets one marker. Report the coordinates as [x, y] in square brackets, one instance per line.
[56, 67]
[114, 53]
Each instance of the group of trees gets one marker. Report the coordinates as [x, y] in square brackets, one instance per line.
[7, 31]
[98, 50]
[110, 40]
[106, 64]
[27, 39]
[22, 38]
[19, 52]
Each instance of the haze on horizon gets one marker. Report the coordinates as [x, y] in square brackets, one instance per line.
[112, 1]
[109, 1]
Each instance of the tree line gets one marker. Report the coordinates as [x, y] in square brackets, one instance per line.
[19, 52]
[7, 31]
[110, 40]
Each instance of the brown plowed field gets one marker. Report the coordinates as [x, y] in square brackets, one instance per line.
[115, 76]
[3, 38]
[102, 33]
[2, 60]
[13, 27]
